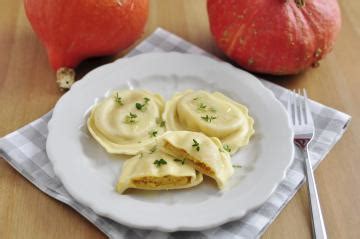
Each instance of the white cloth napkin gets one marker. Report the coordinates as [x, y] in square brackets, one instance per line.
[24, 149]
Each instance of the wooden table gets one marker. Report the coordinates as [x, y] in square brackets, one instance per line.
[28, 90]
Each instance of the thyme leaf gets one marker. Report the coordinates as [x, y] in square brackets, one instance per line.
[208, 118]
[142, 107]
[160, 122]
[153, 133]
[131, 118]
[180, 161]
[159, 162]
[118, 99]
[202, 107]
[227, 147]
[196, 145]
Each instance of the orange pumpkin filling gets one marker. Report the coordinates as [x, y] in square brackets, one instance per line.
[166, 181]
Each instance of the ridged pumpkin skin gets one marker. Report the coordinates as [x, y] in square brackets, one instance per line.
[73, 30]
[274, 36]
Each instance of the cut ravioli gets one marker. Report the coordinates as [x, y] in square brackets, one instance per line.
[155, 170]
[214, 114]
[205, 154]
[127, 121]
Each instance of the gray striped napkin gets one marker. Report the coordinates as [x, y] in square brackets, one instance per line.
[24, 149]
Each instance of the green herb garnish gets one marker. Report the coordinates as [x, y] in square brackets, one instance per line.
[196, 145]
[138, 106]
[202, 107]
[208, 118]
[152, 150]
[196, 98]
[160, 122]
[131, 118]
[153, 133]
[142, 107]
[180, 161]
[213, 110]
[227, 147]
[159, 162]
[141, 155]
[236, 166]
[118, 99]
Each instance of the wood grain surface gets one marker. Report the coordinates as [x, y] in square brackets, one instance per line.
[28, 90]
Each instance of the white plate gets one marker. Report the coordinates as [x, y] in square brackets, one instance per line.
[90, 174]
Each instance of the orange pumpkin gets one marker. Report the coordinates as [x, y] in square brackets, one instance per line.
[74, 30]
[275, 36]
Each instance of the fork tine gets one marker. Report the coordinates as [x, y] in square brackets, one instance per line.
[300, 105]
[289, 107]
[294, 101]
[304, 106]
[307, 109]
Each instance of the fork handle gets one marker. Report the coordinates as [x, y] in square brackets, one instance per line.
[319, 231]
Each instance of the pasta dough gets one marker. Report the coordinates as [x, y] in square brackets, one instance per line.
[214, 114]
[204, 129]
[205, 154]
[153, 169]
[127, 121]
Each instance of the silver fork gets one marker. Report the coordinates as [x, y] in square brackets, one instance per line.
[303, 126]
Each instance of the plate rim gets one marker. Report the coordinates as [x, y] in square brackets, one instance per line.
[149, 225]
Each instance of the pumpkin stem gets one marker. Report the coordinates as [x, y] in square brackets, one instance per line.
[300, 3]
[65, 77]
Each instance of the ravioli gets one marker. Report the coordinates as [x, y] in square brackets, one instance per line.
[205, 154]
[214, 114]
[153, 169]
[127, 121]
